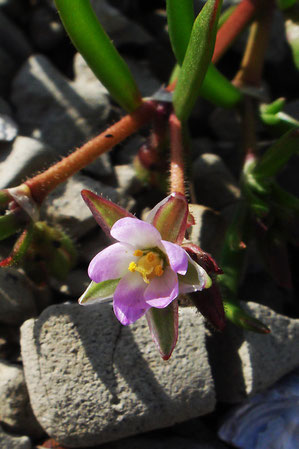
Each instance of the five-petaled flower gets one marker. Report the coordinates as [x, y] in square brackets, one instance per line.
[148, 271]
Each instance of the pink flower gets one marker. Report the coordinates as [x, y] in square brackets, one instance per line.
[141, 271]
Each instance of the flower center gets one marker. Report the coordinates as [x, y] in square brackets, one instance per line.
[149, 264]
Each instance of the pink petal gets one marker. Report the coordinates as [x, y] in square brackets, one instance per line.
[136, 232]
[162, 290]
[178, 258]
[111, 263]
[128, 303]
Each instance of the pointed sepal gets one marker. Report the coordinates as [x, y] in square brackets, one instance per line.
[98, 292]
[105, 212]
[170, 217]
[163, 325]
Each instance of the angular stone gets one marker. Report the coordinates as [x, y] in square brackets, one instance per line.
[214, 185]
[66, 207]
[209, 229]
[51, 108]
[15, 408]
[91, 380]
[119, 28]
[12, 442]
[17, 301]
[8, 128]
[24, 158]
[245, 363]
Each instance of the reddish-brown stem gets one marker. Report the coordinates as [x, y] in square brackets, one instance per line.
[42, 184]
[250, 72]
[238, 20]
[176, 155]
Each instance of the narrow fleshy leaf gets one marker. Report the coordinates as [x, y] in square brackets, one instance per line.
[240, 318]
[277, 155]
[180, 18]
[105, 212]
[226, 15]
[197, 59]
[163, 325]
[22, 244]
[98, 291]
[272, 115]
[5, 198]
[285, 4]
[9, 225]
[92, 42]
[170, 218]
[209, 303]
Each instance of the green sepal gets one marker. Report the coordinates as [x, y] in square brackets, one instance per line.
[170, 217]
[98, 291]
[163, 325]
[105, 212]
[240, 318]
[197, 59]
[272, 115]
[92, 42]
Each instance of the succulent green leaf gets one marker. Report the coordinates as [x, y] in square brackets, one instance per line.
[272, 115]
[277, 155]
[240, 318]
[180, 18]
[226, 15]
[170, 217]
[9, 225]
[285, 4]
[92, 42]
[5, 198]
[98, 291]
[163, 325]
[105, 212]
[197, 59]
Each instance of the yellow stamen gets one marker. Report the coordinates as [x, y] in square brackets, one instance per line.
[132, 267]
[148, 265]
[138, 253]
[158, 270]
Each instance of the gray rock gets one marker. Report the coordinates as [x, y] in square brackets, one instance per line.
[13, 41]
[214, 185]
[51, 108]
[144, 78]
[8, 128]
[15, 408]
[45, 27]
[5, 107]
[129, 149]
[8, 68]
[25, 157]
[16, 297]
[12, 442]
[127, 180]
[65, 207]
[91, 381]
[120, 29]
[209, 229]
[253, 362]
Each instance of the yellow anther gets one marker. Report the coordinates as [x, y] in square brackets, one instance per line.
[150, 257]
[158, 270]
[138, 253]
[132, 267]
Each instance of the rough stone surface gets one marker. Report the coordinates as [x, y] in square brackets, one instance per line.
[12, 442]
[8, 128]
[15, 408]
[214, 185]
[208, 231]
[253, 361]
[51, 108]
[24, 158]
[119, 28]
[17, 302]
[114, 382]
[65, 206]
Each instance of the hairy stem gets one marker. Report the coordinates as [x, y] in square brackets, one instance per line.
[176, 155]
[42, 184]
